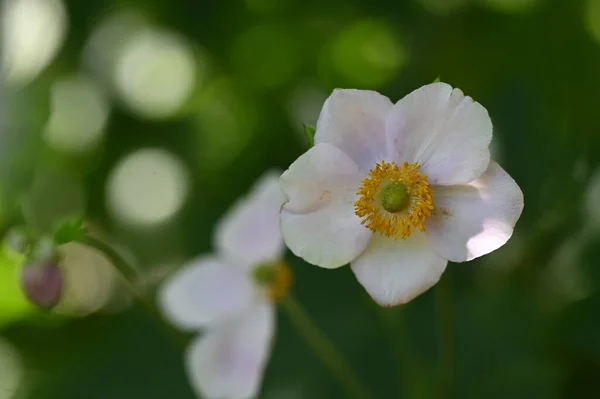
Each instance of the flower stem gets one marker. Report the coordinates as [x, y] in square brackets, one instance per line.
[130, 276]
[445, 317]
[128, 272]
[325, 349]
[410, 367]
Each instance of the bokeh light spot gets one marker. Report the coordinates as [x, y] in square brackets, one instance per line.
[90, 280]
[11, 370]
[368, 54]
[32, 33]
[104, 45]
[268, 56]
[146, 188]
[155, 73]
[78, 115]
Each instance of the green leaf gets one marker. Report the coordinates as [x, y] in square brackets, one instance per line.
[14, 304]
[69, 230]
[309, 131]
[437, 80]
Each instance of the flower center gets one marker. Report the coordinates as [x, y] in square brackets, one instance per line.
[394, 197]
[394, 200]
[275, 277]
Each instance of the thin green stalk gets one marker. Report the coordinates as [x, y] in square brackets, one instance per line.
[445, 320]
[128, 272]
[130, 276]
[409, 365]
[325, 349]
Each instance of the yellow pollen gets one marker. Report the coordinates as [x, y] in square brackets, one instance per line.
[283, 281]
[276, 278]
[402, 223]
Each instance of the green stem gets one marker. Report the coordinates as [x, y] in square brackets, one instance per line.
[128, 272]
[445, 317]
[131, 276]
[325, 349]
[410, 368]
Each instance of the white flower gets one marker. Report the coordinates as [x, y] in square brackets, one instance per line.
[397, 190]
[230, 296]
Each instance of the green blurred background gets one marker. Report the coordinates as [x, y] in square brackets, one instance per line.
[153, 116]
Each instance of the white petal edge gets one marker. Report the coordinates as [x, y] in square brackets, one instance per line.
[354, 121]
[475, 219]
[249, 233]
[228, 361]
[318, 220]
[205, 291]
[444, 131]
[395, 271]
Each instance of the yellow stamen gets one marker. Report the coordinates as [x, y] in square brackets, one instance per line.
[276, 278]
[282, 283]
[386, 183]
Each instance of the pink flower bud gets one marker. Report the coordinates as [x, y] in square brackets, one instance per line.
[42, 284]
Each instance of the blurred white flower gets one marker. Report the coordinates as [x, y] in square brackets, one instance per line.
[78, 115]
[155, 72]
[418, 170]
[230, 296]
[147, 188]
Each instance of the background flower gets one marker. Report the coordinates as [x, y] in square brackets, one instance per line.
[220, 295]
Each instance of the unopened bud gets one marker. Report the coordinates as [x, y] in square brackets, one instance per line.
[43, 284]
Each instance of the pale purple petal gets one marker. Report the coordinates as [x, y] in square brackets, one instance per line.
[395, 271]
[475, 219]
[318, 221]
[228, 361]
[204, 292]
[442, 130]
[354, 122]
[249, 233]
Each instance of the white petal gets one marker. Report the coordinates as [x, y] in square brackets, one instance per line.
[318, 221]
[474, 219]
[205, 291]
[354, 121]
[249, 233]
[395, 271]
[445, 132]
[228, 361]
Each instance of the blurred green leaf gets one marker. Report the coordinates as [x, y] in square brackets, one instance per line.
[438, 79]
[310, 131]
[69, 230]
[13, 303]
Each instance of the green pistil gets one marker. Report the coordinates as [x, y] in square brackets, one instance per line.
[394, 197]
[265, 274]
